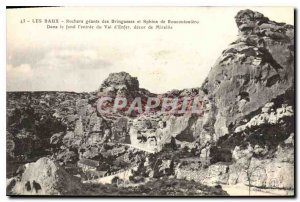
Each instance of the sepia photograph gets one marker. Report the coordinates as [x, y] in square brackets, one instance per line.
[150, 101]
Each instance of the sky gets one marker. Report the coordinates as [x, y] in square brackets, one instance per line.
[40, 59]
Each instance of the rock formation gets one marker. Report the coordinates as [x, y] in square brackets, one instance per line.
[253, 70]
[45, 177]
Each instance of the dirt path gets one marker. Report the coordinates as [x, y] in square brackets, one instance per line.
[139, 148]
[242, 190]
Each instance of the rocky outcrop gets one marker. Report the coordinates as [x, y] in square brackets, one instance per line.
[253, 70]
[121, 84]
[251, 91]
[268, 116]
[45, 177]
[250, 73]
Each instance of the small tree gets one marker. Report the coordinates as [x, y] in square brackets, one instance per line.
[250, 170]
[244, 164]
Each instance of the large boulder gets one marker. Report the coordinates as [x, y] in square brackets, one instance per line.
[45, 177]
[121, 79]
[119, 84]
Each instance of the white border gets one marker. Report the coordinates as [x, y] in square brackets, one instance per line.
[4, 3]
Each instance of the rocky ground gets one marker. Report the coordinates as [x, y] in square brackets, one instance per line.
[245, 136]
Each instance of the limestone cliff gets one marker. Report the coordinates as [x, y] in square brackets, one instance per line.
[256, 68]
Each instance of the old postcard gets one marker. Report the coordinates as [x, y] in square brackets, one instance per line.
[150, 101]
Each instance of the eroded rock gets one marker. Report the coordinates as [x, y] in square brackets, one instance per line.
[46, 177]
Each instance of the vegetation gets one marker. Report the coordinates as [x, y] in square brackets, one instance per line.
[157, 187]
